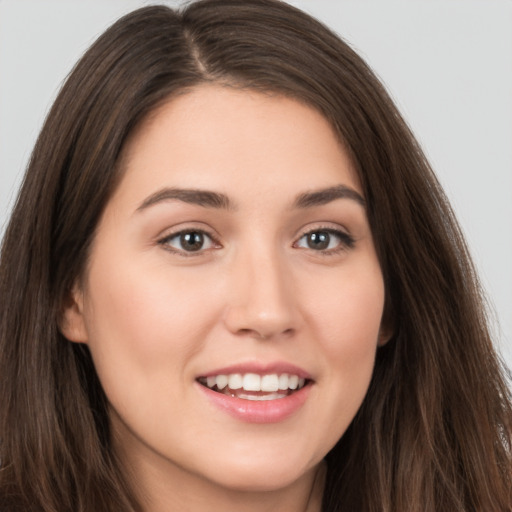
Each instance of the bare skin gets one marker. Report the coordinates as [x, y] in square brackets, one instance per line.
[237, 242]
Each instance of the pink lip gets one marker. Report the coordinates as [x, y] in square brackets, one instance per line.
[267, 411]
[260, 369]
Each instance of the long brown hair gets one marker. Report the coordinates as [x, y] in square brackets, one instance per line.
[434, 431]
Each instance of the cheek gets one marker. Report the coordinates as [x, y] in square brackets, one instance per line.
[144, 324]
[347, 309]
[347, 318]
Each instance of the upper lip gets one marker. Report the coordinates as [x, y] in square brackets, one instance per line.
[278, 367]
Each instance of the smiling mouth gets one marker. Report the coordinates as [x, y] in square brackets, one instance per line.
[251, 386]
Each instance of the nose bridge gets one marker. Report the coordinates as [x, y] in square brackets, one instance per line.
[262, 301]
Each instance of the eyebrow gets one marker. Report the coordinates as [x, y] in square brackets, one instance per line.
[217, 200]
[203, 198]
[327, 195]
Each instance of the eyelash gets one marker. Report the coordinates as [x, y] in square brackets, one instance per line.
[182, 252]
[345, 241]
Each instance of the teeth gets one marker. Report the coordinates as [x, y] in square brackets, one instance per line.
[251, 382]
[235, 381]
[283, 381]
[293, 381]
[220, 380]
[270, 396]
[270, 383]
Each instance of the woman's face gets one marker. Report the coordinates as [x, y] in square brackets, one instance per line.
[233, 299]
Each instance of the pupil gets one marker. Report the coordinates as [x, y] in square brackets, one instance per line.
[319, 240]
[192, 241]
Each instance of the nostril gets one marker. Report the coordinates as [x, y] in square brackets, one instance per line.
[265, 335]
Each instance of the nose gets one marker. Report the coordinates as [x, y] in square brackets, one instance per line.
[262, 300]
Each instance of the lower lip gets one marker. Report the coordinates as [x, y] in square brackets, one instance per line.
[262, 411]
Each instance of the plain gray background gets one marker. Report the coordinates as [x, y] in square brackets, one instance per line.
[447, 64]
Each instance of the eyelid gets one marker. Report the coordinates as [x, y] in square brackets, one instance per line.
[163, 241]
[347, 241]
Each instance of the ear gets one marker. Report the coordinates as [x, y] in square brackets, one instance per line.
[385, 334]
[387, 325]
[72, 321]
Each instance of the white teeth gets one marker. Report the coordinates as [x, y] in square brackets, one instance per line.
[269, 383]
[220, 380]
[283, 381]
[293, 382]
[251, 382]
[235, 381]
[270, 396]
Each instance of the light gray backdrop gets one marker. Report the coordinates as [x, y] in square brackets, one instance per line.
[447, 64]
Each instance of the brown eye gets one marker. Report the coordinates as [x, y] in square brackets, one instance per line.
[327, 240]
[188, 241]
[318, 240]
[192, 241]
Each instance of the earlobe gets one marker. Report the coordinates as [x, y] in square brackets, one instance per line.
[387, 325]
[71, 321]
[385, 334]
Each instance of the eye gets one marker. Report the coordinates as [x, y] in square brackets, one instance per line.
[326, 240]
[188, 241]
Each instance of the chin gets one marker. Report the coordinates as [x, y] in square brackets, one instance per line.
[258, 476]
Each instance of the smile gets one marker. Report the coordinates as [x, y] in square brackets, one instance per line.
[252, 386]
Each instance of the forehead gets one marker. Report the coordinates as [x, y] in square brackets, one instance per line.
[217, 136]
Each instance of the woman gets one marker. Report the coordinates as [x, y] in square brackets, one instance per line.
[232, 282]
